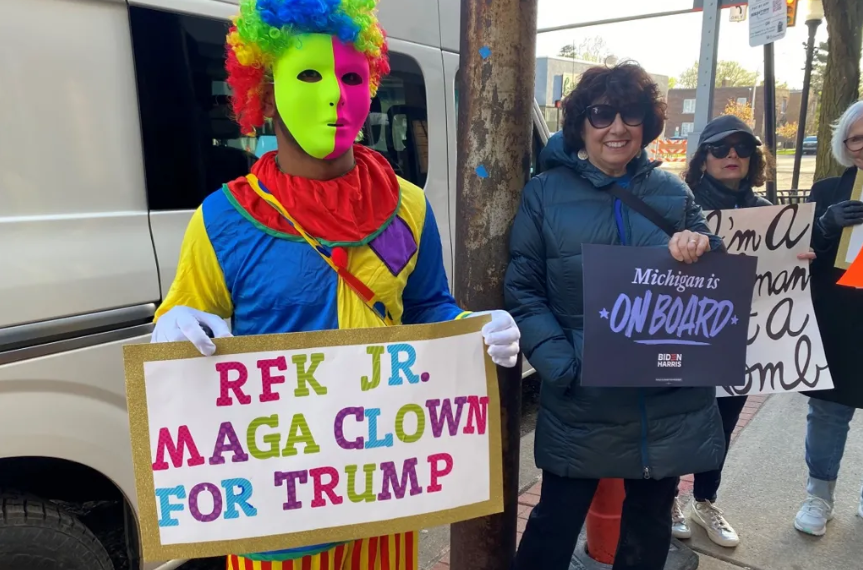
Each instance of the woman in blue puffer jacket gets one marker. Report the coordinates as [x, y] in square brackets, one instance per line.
[647, 437]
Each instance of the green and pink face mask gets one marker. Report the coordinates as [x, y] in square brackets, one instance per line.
[322, 94]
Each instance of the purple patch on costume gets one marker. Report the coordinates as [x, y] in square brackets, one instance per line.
[395, 246]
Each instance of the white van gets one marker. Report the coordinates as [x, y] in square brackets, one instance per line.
[114, 125]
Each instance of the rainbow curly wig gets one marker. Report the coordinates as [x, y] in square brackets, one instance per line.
[264, 29]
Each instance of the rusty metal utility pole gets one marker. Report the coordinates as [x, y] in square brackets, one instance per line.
[497, 67]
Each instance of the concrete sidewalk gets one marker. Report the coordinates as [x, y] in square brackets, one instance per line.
[763, 485]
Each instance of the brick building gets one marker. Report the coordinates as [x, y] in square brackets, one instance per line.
[681, 107]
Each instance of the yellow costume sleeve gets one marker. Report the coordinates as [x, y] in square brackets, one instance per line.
[199, 283]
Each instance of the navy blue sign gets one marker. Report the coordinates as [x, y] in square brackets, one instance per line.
[651, 321]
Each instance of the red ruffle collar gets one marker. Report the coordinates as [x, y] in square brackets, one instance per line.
[342, 212]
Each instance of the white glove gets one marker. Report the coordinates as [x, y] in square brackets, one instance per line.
[502, 336]
[184, 323]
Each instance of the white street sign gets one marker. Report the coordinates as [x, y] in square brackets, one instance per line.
[767, 21]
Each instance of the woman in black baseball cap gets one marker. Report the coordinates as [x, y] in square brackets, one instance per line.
[722, 173]
[728, 164]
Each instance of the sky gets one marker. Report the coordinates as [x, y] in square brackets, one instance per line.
[671, 44]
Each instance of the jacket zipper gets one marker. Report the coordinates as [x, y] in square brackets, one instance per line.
[642, 409]
[642, 406]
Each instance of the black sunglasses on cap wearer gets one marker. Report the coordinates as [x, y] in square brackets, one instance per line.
[602, 116]
[744, 149]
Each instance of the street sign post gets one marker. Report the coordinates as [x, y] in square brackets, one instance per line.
[704, 92]
[768, 22]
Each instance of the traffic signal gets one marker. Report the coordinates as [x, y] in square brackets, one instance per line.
[791, 6]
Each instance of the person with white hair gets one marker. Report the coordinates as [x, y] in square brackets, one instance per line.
[839, 311]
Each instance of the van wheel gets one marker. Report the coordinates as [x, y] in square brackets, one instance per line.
[37, 535]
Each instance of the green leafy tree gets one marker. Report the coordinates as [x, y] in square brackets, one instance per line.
[567, 51]
[593, 49]
[732, 72]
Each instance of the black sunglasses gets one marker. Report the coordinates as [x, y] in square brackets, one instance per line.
[743, 149]
[602, 116]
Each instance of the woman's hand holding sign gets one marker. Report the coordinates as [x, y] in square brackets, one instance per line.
[808, 256]
[688, 246]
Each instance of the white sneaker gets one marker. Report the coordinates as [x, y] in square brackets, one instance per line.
[679, 527]
[813, 516]
[708, 516]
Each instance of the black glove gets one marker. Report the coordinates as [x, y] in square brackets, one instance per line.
[842, 215]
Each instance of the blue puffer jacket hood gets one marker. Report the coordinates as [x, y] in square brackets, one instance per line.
[555, 154]
[588, 432]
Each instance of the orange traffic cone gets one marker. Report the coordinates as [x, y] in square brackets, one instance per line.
[603, 520]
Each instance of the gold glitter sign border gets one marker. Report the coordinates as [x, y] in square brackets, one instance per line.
[135, 355]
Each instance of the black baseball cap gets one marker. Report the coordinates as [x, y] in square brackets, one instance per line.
[724, 126]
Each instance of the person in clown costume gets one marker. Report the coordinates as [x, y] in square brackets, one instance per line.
[321, 234]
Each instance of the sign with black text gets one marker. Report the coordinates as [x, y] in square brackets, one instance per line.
[651, 321]
[785, 353]
[768, 21]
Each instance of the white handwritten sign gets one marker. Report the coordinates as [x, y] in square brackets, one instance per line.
[784, 352]
[294, 440]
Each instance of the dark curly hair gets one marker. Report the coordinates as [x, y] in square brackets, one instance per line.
[760, 167]
[624, 84]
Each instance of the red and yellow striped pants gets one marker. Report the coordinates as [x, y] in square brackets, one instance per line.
[391, 552]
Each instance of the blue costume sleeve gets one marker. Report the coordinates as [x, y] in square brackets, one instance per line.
[426, 296]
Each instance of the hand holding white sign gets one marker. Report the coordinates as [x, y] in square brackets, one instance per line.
[785, 353]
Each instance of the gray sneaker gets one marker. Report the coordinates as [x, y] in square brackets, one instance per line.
[813, 516]
[679, 527]
[708, 516]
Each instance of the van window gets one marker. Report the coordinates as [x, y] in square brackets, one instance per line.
[397, 126]
[191, 143]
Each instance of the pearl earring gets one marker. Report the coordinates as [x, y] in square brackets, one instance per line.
[582, 154]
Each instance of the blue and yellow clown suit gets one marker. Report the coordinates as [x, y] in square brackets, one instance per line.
[277, 253]
[245, 257]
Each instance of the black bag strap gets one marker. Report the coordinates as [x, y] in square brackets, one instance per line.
[642, 208]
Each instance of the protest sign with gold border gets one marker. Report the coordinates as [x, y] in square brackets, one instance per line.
[281, 441]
